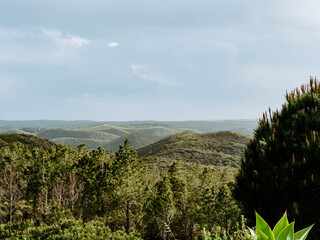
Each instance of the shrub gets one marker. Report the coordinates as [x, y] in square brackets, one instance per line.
[66, 229]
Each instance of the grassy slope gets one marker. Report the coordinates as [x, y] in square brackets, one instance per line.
[218, 148]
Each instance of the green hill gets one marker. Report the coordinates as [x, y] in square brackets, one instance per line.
[107, 136]
[29, 140]
[75, 142]
[108, 128]
[217, 149]
[112, 134]
[137, 140]
[5, 125]
[11, 131]
[54, 133]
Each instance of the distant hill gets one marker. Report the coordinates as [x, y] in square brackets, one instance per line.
[74, 142]
[29, 140]
[242, 126]
[6, 125]
[108, 128]
[112, 134]
[137, 140]
[11, 131]
[217, 149]
[105, 135]
[54, 133]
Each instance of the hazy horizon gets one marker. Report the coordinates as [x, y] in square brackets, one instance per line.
[161, 60]
[145, 120]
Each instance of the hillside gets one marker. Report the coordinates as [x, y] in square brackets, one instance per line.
[105, 135]
[217, 148]
[112, 134]
[74, 142]
[6, 125]
[54, 133]
[29, 140]
[137, 140]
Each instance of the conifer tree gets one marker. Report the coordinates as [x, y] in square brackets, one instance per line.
[127, 183]
[280, 169]
[162, 207]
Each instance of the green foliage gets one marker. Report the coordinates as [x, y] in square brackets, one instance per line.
[128, 185]
[241, 232]
[280, 168]
[282, 230]
[66, 229]
[42, 192]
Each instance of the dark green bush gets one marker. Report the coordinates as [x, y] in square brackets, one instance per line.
[281, 166]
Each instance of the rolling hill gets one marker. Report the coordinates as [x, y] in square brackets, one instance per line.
[219, 149]
[6, 140]
[105, 135]
[111, 135]
[216, 149]
[137, 140]
[55, 133]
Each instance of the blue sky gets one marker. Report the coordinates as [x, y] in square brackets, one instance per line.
[153, 60]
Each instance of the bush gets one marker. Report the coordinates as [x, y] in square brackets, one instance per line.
[66, 229]
[241, 233]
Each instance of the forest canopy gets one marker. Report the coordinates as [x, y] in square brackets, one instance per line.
[52, 188]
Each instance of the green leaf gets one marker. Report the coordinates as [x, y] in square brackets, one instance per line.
[283, 222]
[262, 236]
[302, 234]
[287, 233]
[264, 227]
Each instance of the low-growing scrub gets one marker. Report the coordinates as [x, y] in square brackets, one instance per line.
[66, 229]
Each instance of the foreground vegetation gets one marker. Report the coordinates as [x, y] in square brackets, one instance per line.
[280, 169]
[42, 191]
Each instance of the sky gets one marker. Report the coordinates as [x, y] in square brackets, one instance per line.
[176, 60]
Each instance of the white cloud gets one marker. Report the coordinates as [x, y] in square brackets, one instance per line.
[39, 46]
[142, 72]
[67, 41]
[113, 44]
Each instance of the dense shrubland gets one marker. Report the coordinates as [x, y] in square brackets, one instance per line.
[76, 192]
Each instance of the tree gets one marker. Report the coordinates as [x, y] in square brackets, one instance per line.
[12, 184]
[281, 169]
[127, 186]
[163, 207]
[38, 172]
[93, 170]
